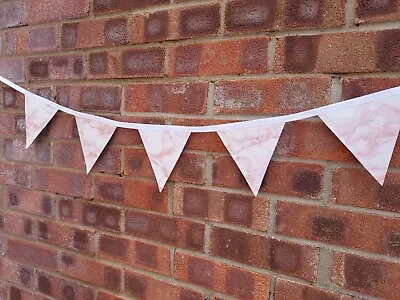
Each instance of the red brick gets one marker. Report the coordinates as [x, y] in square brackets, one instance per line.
[12, 69]
[33, 40]
[358, 188]
[365, 275]
[381, 11]
[13, 13]
[297, 179]
[52, 10]
[61, 126]
[311, 140]
[70, 155]
[17, 273]
[19, 294]
[314, 14]
[256, 15]
[176, 24]
[11, 123]
[62, 289]
[147, 288]
[190, 167]
[30, 201]
[271, 96]
[39, 152]
[90, 98]
[356, 87]
[131, 63]
[56, 67]
[94, 33]
[106, 296]
[288, 290]
[89, 214]
[134, 253]
[131, 192]
[19, 225]
[260, 251]
[105, 6]
[31, 254]
[354, 52]
[63, 182]
[354, 230]
[223, 207]
[91, 271]
[14, 174]
[66, 236]
[250, 15]
[169, 230]
[217, 58]
[221, 277]
[181, 98]
[13, 99]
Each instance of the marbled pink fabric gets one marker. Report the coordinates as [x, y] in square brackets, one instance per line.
[252, 149]
[163, 148]
[94, 137]
[37, 115]
[369, 131]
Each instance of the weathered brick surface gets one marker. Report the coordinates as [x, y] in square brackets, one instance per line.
[13, 13]
[111, 235]
[369, 276]
[360, 52]
[215, 58]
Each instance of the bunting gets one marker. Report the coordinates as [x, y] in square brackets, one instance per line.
[94, 137]
[252, 148]
[37, 115]
[368, 126]
[369, 131]
[163, 148]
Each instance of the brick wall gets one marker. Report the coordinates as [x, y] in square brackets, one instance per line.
[321, 228]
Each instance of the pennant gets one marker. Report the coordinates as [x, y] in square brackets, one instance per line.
[163, 148]
[369, 131]
[252, 148]
[37, 115]
[94, 137]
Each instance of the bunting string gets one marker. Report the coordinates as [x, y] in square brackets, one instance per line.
[368, 126]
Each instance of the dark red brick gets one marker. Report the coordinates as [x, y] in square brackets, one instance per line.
[63, 182]
[12, 69]
[135, 253]
[13, 13]
[105, 6]
[202, 20]
[169, 230]
[185, 98]
[263, 252]
[253, 15]
[217, 58]
[56, 67]
[31, 254]
[91, 271]
[90, 98]
[39, 152]
[368, 276]
[145, 287]
[230, 208]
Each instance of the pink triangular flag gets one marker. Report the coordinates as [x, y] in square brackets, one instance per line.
[252, 148]
[369, 131]
[163, 148]
[37, 114]
[94, 136]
